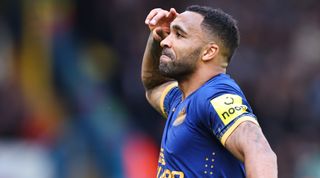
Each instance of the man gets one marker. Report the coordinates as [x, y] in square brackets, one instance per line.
[211, 130]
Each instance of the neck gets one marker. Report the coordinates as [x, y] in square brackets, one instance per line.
[190, 84]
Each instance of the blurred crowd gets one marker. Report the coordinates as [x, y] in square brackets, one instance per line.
[72, 104]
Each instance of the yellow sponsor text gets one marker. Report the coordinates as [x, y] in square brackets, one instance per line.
[228, 107]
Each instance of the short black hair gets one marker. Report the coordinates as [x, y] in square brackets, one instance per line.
[221, 25]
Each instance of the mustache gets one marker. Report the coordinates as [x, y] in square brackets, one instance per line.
[167, 52]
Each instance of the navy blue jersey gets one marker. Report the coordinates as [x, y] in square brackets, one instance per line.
[197, 128]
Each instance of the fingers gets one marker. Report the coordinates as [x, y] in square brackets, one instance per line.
[172, 13]
[155, 15]
[156, 34]
[173, 10]
[160, 18]
[151, 14]
[160, 15]
[159, 34]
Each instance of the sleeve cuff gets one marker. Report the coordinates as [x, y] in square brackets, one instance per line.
[163, 96]
[226, 135]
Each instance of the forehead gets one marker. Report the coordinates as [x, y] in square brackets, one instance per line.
[190, 21]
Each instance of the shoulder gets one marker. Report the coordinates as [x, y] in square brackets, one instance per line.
[221, 96]
[223, 107]
[217, 86]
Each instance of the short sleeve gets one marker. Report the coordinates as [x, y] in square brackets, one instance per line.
[226, 112]
[170, 93]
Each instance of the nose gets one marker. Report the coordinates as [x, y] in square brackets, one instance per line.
[166, 42]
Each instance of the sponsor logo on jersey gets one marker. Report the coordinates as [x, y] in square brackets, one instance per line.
[228, 107]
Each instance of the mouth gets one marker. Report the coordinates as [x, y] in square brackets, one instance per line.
[166, 55]
[165, 58]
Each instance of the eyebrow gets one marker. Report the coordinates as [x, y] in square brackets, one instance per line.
[179, 28]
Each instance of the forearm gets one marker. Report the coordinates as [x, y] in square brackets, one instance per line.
[150, 74]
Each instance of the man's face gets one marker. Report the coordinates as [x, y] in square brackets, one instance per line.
[182, 47]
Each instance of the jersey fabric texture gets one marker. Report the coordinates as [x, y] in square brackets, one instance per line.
[197, 128]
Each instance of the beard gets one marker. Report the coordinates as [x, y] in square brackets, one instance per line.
[178, 69]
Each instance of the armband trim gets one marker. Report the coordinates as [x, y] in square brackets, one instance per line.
[163, 96]
[235, 125]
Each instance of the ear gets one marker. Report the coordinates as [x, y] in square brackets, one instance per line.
[210, 52]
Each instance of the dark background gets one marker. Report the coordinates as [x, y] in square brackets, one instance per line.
[72, 103]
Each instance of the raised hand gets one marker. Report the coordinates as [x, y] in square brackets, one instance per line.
[159, 20]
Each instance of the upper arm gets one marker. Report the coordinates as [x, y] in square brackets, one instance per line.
[156, 96]
[230, 117]
[245, 139]
[249, 144]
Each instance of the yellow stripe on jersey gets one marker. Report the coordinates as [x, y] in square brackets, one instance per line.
[235, 125]
[163, 96]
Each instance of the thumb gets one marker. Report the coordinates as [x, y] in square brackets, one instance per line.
[156, 34]
[162, 32]
[159, 34]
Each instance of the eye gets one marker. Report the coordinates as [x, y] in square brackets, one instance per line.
[178, 35]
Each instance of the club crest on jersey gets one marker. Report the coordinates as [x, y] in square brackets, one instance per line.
[228, 107]
[180, 118]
